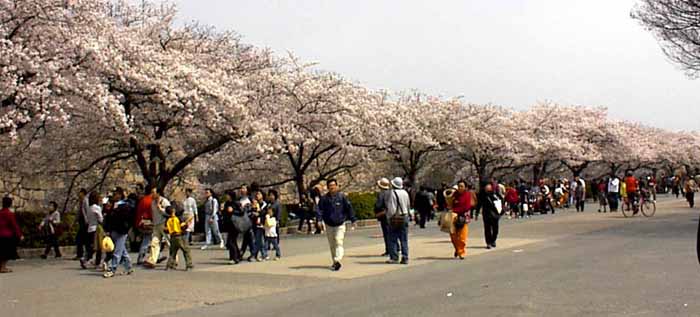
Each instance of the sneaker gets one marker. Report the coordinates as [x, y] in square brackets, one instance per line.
[221, 245]
[267, 258]
[82, 264]
[258, 259]
[337, 266]
[404, 261]
[392, 261]
[108, 274]
[204, 247]
[232, 262]
[277, 258]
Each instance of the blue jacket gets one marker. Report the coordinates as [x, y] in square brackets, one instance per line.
[335, 209]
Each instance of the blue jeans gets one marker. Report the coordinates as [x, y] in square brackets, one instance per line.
[145, 244]
[274, 242]
[398, 236]
[212, 231]
[121, 254]
[385, 234]
[259, 243]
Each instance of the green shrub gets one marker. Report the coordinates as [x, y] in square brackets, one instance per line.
[363, 204]
[29, 225]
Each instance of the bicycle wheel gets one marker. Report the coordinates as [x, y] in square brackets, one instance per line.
[649, 208]
[627, 212]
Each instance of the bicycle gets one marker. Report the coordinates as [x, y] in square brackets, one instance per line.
[641, 201]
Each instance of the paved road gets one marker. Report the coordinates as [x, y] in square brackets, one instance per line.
[569, 264]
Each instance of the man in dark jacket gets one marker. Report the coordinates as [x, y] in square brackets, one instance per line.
[335, 209]
[424, 205]
[491, 205]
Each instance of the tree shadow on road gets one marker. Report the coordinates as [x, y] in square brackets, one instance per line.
[434, 258]
[438, 242]
[365, 256]
[310, 267]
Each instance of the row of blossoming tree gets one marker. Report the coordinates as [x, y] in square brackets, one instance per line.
[87, 86]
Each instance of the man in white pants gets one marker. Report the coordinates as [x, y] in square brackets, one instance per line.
[335, 209]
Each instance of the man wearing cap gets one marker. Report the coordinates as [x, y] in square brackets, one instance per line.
[380, 210]
[398, 205]
[335, 209]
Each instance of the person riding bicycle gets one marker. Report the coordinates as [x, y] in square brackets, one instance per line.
[632, 186]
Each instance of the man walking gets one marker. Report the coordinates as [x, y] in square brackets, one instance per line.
[81, 235]
[613, 192]
[398, 204]
[335, 209]
[380, 211]
[159, 217]
[424, 204]
[211, 224]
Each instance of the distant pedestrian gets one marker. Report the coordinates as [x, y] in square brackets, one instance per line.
[49, 229]
[579, 194]
[424, 204]
[613, 192]
[10, 235]
[602, 195]
[335, 209]
[690, 188]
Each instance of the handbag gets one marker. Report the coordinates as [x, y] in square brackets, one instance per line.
[461, 221]
[241, 223]
[446, 220]
[398, 219]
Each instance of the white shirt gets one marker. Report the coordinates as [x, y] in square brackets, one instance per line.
[159, 216]
[94, 217]
[190, 211]
[614, 185]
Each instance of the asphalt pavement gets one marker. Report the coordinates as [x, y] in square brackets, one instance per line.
[567, 264]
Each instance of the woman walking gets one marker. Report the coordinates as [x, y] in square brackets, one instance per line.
[49, 229]
[94, 219]
[462, 204]
[10, 235]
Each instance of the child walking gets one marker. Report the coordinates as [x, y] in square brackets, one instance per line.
[174, 227]
[270, 226]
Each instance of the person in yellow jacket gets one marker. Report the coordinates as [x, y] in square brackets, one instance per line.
[174, 227]
[623, 194]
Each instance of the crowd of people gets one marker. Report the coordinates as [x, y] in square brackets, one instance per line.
[253, 217]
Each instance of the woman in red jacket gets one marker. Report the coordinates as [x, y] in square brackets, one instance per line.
[10, 235]
[461, 205]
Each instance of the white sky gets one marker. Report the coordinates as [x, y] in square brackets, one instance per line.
[506, 52]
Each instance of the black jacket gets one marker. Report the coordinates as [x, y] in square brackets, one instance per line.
[487, 206]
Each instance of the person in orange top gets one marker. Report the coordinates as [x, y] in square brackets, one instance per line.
[631, 185]
[461, 205]
[144, 223]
